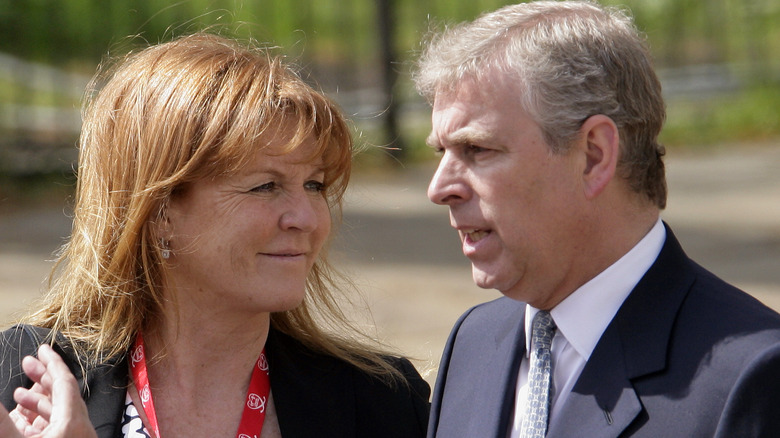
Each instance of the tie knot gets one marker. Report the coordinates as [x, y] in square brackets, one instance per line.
[543, 330]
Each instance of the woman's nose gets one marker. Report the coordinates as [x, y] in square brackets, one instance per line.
[300, 214]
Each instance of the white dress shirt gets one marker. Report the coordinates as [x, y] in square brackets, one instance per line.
[581, 319]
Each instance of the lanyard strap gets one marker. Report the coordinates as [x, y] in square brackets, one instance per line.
[256, 398]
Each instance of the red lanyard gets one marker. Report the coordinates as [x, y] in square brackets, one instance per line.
[256, 398]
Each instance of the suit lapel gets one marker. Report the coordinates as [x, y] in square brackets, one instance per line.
[480, 372]
[509, 349]
[603, 406]
[604, 402]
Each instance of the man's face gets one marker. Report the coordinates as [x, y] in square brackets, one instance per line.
[514, 203]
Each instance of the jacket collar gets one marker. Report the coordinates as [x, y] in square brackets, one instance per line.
[603, 401]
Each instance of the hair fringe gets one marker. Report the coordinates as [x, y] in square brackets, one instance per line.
[142, 140]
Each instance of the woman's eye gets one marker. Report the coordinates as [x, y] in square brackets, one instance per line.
[315, 186]
[267, 187]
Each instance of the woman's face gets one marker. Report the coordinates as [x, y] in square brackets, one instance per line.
[246, 242]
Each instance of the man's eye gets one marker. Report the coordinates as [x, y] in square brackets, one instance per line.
[474, 149]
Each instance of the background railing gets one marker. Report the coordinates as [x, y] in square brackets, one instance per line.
[719, 60]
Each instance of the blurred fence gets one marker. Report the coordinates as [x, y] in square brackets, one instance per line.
[359, 51]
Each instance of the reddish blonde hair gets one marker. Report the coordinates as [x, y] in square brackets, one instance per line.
[193, 108]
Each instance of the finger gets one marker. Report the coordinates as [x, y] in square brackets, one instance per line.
[24, 426]
[23, 413]
[36, 371]
[39, 425]
[58, 380]
[47, 368]
[33, 403]
[68, 410]
[7, 425]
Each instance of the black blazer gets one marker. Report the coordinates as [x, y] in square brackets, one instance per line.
[687, 355]
[314, 394]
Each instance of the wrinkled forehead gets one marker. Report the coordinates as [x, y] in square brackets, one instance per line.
[472, 109]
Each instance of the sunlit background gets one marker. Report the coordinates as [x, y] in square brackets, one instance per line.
[719, 61]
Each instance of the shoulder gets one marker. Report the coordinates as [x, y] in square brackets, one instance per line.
[712, 302]
[385, 405]
[289, 355]
[490, 332]
[102, 389]
[493, 319]
[16, 343]
[677, 296]
[751, 405]
[341, 397]
[13, 347]
[23, 339]
[501, 307]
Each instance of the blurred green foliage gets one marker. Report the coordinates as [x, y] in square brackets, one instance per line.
[336, 43]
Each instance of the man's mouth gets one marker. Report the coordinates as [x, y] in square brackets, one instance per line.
[473, 235]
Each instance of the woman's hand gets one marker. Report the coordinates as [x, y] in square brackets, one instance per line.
[52, 408]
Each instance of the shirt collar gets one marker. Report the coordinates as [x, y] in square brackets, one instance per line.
[584, 315]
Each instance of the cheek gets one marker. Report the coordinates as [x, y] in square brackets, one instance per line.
[324, 223]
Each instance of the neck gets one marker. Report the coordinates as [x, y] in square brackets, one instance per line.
[197, 357]
[615, 236]
[609, 238]
[190, 346]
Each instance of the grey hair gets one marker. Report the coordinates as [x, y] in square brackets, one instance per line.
[569, 60]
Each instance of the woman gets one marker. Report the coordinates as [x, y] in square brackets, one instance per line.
[194, 295]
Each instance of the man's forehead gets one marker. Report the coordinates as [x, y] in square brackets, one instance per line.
[464, 89]
[458, 129]
[456, 113]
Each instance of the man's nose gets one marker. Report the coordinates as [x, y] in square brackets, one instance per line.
[448, 185]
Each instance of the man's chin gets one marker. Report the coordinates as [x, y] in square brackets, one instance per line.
[483, 279]
[487, 280]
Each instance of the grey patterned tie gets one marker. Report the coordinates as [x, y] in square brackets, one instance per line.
[539, 378]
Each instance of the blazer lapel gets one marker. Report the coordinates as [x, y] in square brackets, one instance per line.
[480, 372]
[502, 376]
[308, 390]
[604, 402]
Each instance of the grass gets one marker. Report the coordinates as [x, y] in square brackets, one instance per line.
[748, 117]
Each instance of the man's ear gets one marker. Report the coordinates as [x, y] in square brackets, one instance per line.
[602, 146]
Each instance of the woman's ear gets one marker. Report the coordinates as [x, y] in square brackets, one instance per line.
[602, 147]
[162, 227]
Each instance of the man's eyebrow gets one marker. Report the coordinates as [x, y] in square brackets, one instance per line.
[460, 138]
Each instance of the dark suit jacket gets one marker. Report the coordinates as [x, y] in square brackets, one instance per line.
[315, 395]
[687, 355]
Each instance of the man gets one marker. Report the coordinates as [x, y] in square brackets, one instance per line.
[546, 116]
